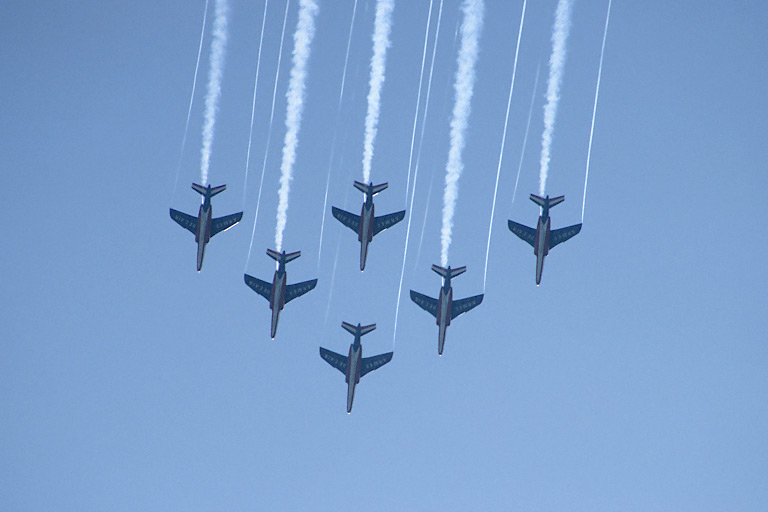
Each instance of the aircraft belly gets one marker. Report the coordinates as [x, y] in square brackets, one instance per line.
[539, 268]
[441, 338]
[200, 254]
[350, 395]
[275, 318]
[363, 253]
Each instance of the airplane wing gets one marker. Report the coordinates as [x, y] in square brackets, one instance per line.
[224, 223]
[186, 221]
[428, 304]
[263, 288]
[375, 362]
[522, 232]
[463, 305]
[350, 220]
[386, 221]
[338, 361]
[558, 236]
[297, 290]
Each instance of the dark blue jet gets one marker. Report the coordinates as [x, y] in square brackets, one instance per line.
[445, 309]
[354, 366]
[542, 238]
[279, 293]
[205, 226]
[366, 225]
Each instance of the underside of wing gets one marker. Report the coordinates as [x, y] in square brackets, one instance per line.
[297, 290]
[523, 232]
[463, 305]
[386, 221]
[338, 361]
[374, 362]
[428, 304]
[224, 223]
[350, 220]
[263, 288]
[558, 236]
[186, 221]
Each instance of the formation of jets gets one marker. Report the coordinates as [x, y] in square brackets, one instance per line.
[354, 366]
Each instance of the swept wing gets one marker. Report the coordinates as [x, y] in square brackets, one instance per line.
[186, 221]
[428, 304]
[297, 290]
[386, 221]
[523, 232]
[558, 236]
[338, 361]
[373, 362]
[224, 223]
[350, 220]
[263, 288]
[463, 305]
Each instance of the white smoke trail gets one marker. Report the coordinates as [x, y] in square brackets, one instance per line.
[269, 132]
[525, 138]
[218, 52]
[302, 40]
[471, 27]
[560, 32]
[503, 141]
[191, 97]
[335, 134]
[594, 109]
[418, 100]
[381, 29]
[253, 103]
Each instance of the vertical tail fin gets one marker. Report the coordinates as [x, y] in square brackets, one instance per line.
[444, 272]
[203, 191]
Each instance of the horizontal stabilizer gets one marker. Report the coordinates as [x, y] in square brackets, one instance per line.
[288, 257]
[203, 191]
[541, 201]
[365, 329]
[444, 272]
[375, 189]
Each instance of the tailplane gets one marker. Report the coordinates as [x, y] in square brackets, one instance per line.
[374, 189]
[542, 201]
[365, 329]
[449, 272]
[206, 192]
[278, 256]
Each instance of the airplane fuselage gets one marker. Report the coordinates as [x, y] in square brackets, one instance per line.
[354, 363]
[541, 244]
[444, 304]
[203, 235]
[277, 298]
[365, 235]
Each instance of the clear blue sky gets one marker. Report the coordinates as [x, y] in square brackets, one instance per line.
[634, 378]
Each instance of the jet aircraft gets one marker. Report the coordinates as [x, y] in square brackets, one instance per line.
[354, 366]
[366, 225]
[205, 226]
[543, 238]
[444, 309]
[279, 293]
